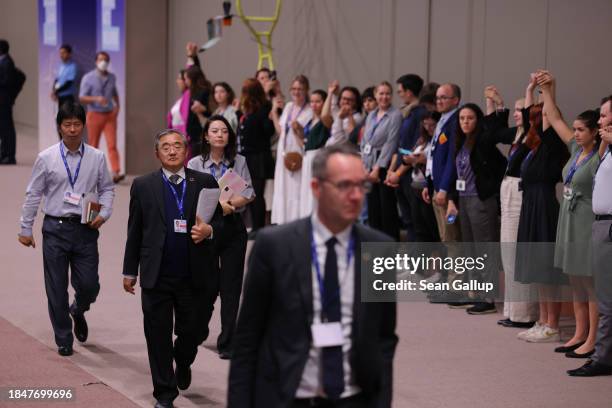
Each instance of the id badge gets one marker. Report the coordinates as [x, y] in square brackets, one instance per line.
[72, 198]
[180, 226]
[367, 149]
[327, 334]
[460, 185]
[567, 192]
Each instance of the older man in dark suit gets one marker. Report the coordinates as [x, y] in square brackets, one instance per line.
[173, 249]
[304, 338]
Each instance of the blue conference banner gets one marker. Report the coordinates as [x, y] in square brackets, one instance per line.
[88, 26]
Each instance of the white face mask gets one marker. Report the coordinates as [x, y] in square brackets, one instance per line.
[102, 65]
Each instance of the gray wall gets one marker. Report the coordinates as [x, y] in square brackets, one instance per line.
[471, 42]
[360, 42]
[19, 25]
[146, 70]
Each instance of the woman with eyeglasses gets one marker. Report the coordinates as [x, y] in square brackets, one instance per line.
[341, 112]
[290, 152]
[217, 159]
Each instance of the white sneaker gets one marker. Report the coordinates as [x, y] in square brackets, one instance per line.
[546, 335]
[529, 332]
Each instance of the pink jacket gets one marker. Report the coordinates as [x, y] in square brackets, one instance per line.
[184, 109]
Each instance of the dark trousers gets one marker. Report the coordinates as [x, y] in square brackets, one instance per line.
[258, 205]
[382, 208]
[403, 193]
[356, 401]
[423, 217]
[8, 135]
[75, 245]
[231, 250]
[171, 297]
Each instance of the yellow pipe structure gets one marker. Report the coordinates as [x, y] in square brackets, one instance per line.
[264, 48]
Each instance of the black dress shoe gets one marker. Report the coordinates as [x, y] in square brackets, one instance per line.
[520, 325]
[566, 349]
[225, 355]
[164, 404]
[482, 308]
[64, 351]
[591, 369]
[183, 377]
[81, 331]
[8, 160]
[573, 354]
[504, 322]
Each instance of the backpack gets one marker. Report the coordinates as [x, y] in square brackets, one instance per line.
[16, 83]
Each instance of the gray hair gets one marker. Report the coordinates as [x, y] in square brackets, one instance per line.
[319, 163]
[168, 132]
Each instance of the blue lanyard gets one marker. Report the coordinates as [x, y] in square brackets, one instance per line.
[575, 166]
[213, 172]
[307, 128]
[76, 173]
[462, 163]
[315, 262]
[179, 203]
[525, 162]
[375, 123]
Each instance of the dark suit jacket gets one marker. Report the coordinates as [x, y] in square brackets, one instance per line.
[487, 162]
[444, 171]
[147, 229]
[273, 335]
[7, 67]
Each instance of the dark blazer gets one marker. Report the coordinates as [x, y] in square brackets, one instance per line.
[487, 162]
[147, 229]
[444, 170]
[273, 335]
[7, 67]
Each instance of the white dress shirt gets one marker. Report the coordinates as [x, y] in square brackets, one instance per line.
[312, 384]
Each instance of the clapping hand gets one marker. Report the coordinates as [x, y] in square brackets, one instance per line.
[191, 48]
[333, 87]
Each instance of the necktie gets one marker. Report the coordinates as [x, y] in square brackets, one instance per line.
[174, 179]
[333, 371]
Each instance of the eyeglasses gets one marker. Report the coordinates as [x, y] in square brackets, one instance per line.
[443, 98]
[167, 147]
[346, 186]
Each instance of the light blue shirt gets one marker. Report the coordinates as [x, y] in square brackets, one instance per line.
[96, 84]
[67, 71]
[50, 180]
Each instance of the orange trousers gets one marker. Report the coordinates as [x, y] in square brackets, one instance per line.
[98, 122]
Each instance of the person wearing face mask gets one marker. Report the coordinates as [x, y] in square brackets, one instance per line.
[99, 93]
[288, 170]
[379, 143]
[218, 156]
